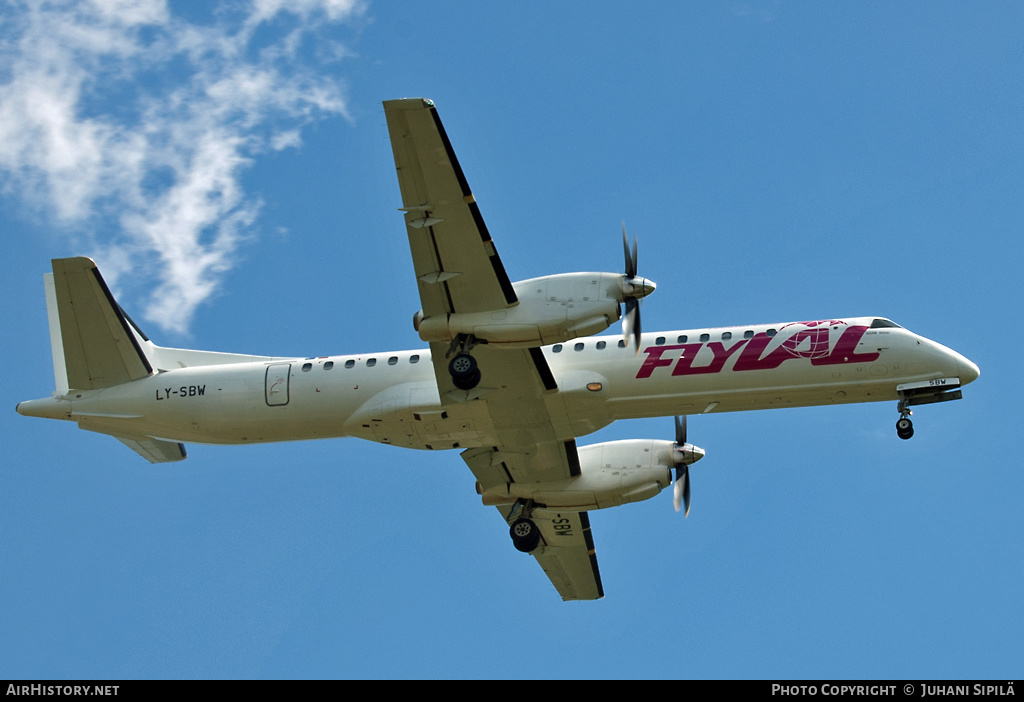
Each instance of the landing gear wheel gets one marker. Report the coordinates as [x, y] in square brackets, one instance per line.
[525, 535]
[904, 428]
[465, 374]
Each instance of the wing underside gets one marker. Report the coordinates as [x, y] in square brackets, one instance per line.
[458, 271]
[567, 553]
[457, 266]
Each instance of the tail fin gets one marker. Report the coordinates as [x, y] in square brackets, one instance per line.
[93, 344]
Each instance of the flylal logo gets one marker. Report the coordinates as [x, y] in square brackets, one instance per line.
[823, 342]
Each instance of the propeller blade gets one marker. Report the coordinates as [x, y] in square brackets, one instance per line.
[633, 258]
[631, 323]
[633, 288]
[631, 261]
[685, 455]
[686, 491]
[636, 327]
[681, 489]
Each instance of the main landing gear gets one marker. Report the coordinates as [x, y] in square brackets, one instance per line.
[523, 530]
[904, 427]
[525, 535]
[463, 369]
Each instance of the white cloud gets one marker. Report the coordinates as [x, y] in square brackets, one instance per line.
[121, 120]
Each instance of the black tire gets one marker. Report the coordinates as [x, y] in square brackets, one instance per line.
[464, 371]
[525, 535]
[467, 382]
[904, 428]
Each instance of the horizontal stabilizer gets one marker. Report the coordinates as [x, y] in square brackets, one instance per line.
[99, 347]
[155, 450]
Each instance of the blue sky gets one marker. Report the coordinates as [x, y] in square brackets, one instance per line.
[230, 170]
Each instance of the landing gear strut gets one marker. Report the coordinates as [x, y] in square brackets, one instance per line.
[904, 427]
[463, 368]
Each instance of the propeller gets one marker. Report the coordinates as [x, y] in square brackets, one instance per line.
[683, 454]
[633, 289]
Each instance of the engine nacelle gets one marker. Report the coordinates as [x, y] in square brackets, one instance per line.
[612, 473]
[552, 309]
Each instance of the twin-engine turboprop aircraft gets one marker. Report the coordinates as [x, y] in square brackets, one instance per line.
[511, 377]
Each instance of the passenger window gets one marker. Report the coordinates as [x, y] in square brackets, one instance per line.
[306, 367]
[705, 337]
[749, 334]
[415, 358]
[726, 336]
[578, 347]
[393, 360]
[622, 343]
[660, 341]
[371, 362]
[681, 339]
[349, 363]
[772, 332]
[556, 348]
[601, 344]
[329, 365]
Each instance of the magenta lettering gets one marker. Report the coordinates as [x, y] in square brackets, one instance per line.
[721, 355]
[846, 350]
[654, 359]
[751, 359]
[806, 341]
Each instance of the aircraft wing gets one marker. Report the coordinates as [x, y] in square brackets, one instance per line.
[568, 555]
[566, 551]
[457, 266]
[458, 270]
[532, 442]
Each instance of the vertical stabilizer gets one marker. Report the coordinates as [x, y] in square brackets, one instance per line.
[97, 344]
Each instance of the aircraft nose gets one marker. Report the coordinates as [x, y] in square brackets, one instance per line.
[969, 370]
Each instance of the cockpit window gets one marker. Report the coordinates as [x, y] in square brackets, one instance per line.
[880, 323]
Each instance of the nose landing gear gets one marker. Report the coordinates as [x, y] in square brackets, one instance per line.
[904, 427]
[923, 392]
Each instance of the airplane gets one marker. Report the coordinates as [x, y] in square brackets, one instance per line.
[513, 375]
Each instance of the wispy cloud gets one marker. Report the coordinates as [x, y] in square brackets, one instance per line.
[127, 123]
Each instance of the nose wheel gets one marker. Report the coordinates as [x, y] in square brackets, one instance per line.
[904, 427]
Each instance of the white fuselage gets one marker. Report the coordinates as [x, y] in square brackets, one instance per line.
[392, 397]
